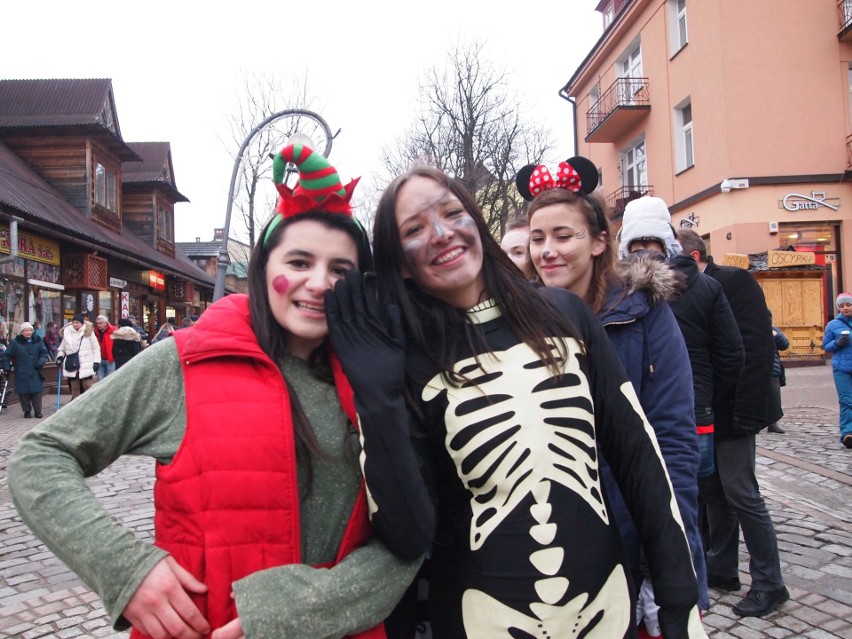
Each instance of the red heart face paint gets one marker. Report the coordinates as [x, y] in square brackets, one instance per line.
[280, 284]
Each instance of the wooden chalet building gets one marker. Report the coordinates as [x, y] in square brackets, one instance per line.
[92, 215]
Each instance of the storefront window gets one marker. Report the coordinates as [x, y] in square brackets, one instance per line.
[821, 239]
[105, 306]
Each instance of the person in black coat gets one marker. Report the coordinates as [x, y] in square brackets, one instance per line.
[126, 343]
[27, 353]
[732, 494]
[714, 345]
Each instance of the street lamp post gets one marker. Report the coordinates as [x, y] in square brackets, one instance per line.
[222, 262]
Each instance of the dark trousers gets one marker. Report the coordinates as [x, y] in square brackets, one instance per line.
[733, 500]
[30, 402]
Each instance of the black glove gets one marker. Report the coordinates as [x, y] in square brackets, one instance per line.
[59, 360]
[95, 367]
[842, 341]
[370, 349]
[674, 621]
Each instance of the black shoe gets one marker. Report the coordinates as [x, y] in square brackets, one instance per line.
[847, 441]
[26, 415]
[731, 585]
[759, 603]
[39, 415]
[775, 428]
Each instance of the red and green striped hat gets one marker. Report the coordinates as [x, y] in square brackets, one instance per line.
[318, 188]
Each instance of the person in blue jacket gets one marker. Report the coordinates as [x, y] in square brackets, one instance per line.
[572, 248]
[27, 353]
[836, 340]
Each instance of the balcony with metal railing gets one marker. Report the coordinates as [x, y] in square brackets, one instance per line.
[618, 199]
[849, 152]
[621, 106]
[844, 16]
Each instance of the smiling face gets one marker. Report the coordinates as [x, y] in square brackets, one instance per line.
[845, 309]
[562, 248]
[307, 261]
[441, 243]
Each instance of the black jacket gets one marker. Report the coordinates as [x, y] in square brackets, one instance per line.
[749, 405]
[711, 334]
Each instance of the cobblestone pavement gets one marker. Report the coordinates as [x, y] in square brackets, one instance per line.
[805, 476]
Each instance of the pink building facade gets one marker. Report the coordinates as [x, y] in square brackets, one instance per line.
[738, 114]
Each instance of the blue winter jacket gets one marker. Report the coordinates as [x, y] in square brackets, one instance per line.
[646, 336]
[841, 359]
[28, 356]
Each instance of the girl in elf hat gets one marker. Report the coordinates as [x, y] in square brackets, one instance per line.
[572, 247]
[836, 340]
[261, 523]
[506, 391]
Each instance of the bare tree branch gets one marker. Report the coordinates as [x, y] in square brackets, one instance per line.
[470, 125]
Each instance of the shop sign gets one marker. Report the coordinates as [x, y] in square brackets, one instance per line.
[157, 280]
[739, 260]
[125, 305]
[783, 259]
[114, 282]
[31, 247]
[800, 202]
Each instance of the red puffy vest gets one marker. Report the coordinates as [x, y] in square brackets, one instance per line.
[228, 504]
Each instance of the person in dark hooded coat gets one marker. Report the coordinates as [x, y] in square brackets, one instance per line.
[27, 353]
[126, 342]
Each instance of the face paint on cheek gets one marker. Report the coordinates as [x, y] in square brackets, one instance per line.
[414, 251]
[280, 284]
[581, 234]
[439, 230]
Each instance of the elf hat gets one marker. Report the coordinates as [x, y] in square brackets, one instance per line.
[843, 298]
[318, 189]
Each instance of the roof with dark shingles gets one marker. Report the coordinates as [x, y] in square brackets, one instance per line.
[68, 102]
[32, 198]
[155, 167]
[199, 249]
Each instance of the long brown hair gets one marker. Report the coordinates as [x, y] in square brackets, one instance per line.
[603, 265]
[438, 328]
[272, 337]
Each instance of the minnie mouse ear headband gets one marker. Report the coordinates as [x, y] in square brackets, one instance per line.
[578, 175]
[318, 189]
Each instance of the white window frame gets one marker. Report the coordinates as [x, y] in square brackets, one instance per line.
[608, 15]
[634, 165]
[684, 138]
[678, 26]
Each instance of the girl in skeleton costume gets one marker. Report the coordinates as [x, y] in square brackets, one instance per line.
[261, 521]
[505, 391]
[572, 248]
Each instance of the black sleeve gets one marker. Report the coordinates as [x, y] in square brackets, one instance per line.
[629, 445]
[726, 346]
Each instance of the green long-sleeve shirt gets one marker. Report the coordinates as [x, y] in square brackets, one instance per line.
[141, 410]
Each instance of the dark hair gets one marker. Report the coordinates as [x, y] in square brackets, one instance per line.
[272, 337]
[603, 266]
[437, 328]
[691, 241]
[519, 222]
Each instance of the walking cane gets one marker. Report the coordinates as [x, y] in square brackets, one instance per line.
[58, 386]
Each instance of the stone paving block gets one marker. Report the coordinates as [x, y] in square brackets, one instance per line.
[68, 633]
[40, 631]
[812, 616]
[16, 630]
[817, 633]
[744, 632]
[69, 622]
[778, 633]
[835, 609]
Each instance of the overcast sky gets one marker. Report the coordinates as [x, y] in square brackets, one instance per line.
[177, 67]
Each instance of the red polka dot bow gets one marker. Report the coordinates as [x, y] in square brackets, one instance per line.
[566, 178]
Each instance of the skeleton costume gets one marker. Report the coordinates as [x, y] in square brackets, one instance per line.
[524, 540]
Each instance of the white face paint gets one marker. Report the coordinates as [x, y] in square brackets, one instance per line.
[441, 243]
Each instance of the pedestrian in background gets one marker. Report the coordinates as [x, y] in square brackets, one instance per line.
[778, 377]
[572, 247]
[83, 352]
[138, 328]
[51, 340]
[261, 518]
[126, 343]
[27, 353]
[836, 341]
[732, 493]
[103, 332]
[166, 331]
[516, 244]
